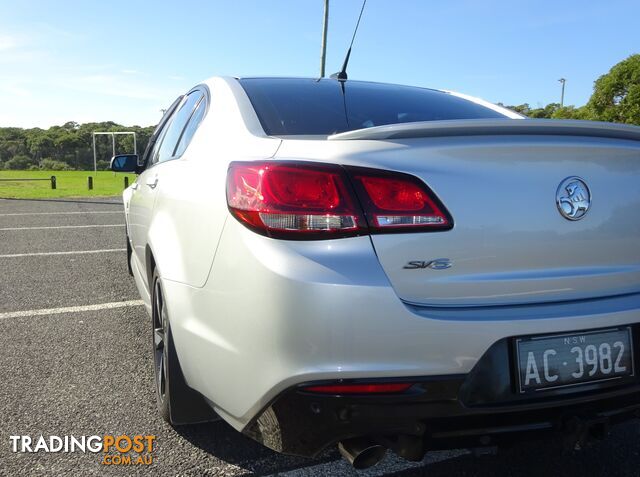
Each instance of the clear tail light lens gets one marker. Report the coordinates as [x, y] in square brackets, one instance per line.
[300, 200]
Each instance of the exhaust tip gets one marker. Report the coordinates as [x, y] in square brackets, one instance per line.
[361, 453]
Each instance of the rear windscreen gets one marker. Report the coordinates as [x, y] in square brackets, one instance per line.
[291, 106]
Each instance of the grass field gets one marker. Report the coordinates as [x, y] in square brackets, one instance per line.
[69, 184]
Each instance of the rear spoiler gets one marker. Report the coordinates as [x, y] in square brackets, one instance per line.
[493, 127]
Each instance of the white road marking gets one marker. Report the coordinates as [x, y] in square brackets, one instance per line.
[70, 309]
[60, 227]
[64, 213]
[74, 252]
[390, 464]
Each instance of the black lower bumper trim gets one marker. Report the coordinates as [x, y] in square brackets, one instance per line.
[304, 424]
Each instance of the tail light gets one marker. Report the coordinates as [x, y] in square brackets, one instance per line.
[294, 200]
[396, 202]
[301, 201]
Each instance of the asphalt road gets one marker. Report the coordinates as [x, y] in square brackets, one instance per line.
[87, 370]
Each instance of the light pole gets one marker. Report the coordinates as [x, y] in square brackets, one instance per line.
[563, 81]
[323, 49]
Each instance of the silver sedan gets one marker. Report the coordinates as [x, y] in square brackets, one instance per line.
[386, 267]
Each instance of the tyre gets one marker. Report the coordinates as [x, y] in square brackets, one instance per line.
[177, 402]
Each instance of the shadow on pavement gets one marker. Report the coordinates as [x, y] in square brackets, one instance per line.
[618, 455]
[109, 201]
[227, 444]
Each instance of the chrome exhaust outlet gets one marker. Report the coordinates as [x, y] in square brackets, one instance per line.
[361, 452]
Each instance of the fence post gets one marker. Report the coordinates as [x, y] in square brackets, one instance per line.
[126, 182]
[53, 182]
[90, 182]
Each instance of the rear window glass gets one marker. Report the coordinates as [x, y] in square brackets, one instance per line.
[289, 106]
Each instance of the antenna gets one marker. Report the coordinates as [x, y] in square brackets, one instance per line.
[342, 74]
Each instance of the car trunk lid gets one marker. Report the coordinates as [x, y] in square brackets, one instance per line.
[500, 180]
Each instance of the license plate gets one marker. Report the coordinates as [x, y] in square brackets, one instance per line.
[549, 362]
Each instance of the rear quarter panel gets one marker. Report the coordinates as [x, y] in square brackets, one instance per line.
[191, 209]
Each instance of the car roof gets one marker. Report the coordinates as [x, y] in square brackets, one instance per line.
[309, 78]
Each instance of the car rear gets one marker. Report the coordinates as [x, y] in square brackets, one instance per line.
[428, 284]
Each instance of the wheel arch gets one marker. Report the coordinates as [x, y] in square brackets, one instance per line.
[181, 404]
[150, 262]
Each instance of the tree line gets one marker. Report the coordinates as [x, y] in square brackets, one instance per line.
[66, 147]
[615, 98]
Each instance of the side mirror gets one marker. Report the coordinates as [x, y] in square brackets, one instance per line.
[125, 163]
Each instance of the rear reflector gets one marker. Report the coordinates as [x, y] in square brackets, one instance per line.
[307, 201]
[371, 388]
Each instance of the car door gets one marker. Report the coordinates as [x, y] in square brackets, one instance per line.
[150, 180]
[140, 197]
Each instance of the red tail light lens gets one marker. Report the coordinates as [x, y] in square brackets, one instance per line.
[392, 194]
[396, 202]
[301, 200]
[371, 388]
[304, 188]
[296, 200]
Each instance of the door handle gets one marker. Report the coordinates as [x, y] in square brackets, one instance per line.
[152, 182]
[134, 186]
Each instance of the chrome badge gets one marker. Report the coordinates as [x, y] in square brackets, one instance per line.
[437, 264]
[573, 198]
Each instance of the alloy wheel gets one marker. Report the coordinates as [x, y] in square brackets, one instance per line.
[159, 340]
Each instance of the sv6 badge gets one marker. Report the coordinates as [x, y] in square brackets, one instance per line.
[437, 264]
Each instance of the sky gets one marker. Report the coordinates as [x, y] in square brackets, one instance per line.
[68, 60]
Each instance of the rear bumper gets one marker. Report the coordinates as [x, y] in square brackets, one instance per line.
[274, 314]
[481, 408]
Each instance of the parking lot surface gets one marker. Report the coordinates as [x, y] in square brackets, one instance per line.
[75, 359]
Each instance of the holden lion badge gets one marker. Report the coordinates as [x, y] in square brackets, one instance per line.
[573, 198]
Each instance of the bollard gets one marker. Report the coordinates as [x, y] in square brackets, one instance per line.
[90, 182]
[53, 182]
[126, 182]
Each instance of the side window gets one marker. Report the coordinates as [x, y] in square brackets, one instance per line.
[174, 129]
[156, 138]
[154, 152]
[192, 127]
